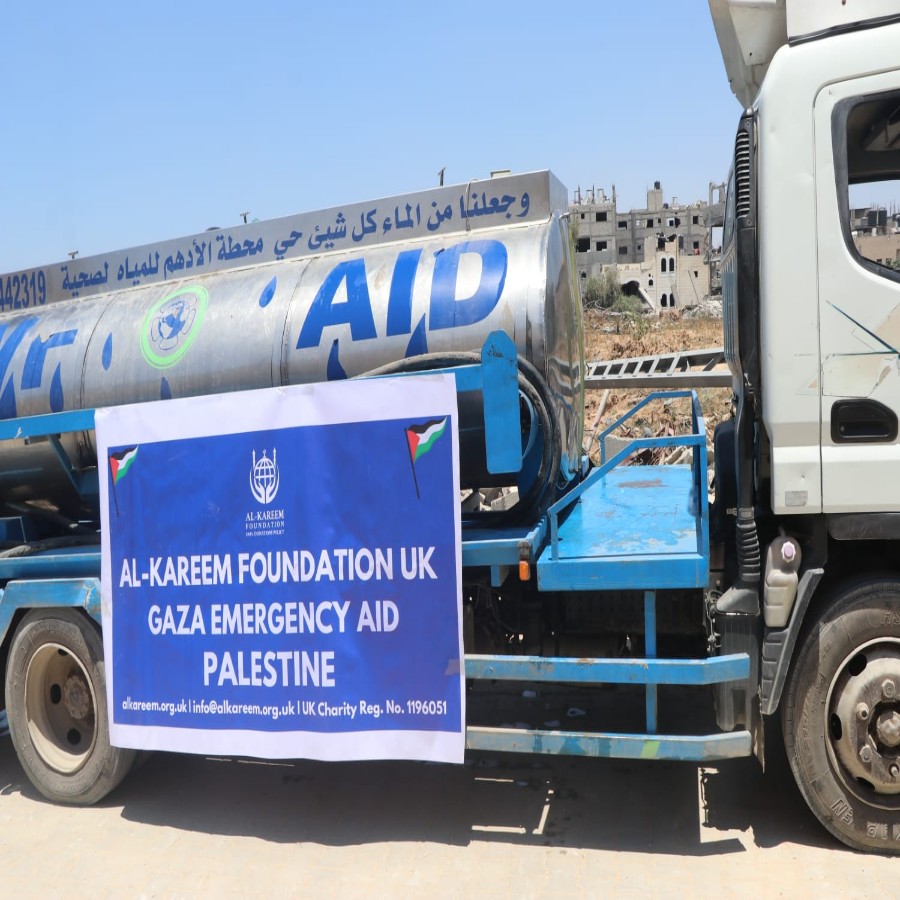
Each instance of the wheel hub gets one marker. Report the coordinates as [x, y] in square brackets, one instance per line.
[888, 728]
[60, 707]
[77, 696]
[864, 716]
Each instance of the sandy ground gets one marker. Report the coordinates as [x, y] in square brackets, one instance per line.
[497, 827]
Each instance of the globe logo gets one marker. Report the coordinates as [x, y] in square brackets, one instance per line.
[264, 477]
[172, 324]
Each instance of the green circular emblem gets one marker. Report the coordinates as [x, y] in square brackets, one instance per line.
[171, 325]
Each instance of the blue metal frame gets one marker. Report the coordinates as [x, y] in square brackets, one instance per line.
[649, 672]
[502, 546]
[45, 425]
[650, 653]
[686, 748]
[565, 670]
[77, 562]
[70, 578]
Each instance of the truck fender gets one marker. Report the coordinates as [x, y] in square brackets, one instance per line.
[45, 593]
[778, 645]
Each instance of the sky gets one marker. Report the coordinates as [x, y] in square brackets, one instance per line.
[122, 124]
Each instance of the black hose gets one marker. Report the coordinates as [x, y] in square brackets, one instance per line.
[532, 505]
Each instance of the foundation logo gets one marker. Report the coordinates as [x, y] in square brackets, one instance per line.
[264, 477]
[172, 324]
[264, 480]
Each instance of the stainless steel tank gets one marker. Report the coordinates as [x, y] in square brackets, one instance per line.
[313, 297]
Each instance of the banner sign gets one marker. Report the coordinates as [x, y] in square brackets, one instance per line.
[281, 572]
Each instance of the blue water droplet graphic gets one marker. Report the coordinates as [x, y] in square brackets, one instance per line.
[57, 400]
[106, 357]
[265, 298]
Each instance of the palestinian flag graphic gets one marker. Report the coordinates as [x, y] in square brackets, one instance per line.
[120, 463]
[420, 439]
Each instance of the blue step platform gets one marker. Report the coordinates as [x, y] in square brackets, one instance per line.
[637, 528]
[633, 527]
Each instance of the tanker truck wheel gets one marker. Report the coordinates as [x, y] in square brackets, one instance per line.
[56, 705]
[841, 716]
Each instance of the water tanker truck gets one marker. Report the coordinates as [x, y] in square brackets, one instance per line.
[781, 597]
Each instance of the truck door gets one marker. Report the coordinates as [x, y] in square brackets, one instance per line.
[857, 133]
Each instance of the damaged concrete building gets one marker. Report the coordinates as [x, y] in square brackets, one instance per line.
[666, 278]
[667, 253]
[662, 252]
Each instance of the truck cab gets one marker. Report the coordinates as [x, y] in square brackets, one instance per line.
[811, 291]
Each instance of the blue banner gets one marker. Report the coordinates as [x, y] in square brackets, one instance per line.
[287, 590]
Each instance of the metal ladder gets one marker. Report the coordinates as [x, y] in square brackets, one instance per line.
[684, 369]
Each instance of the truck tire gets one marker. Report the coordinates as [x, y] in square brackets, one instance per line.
[841, 716]
[56, 704]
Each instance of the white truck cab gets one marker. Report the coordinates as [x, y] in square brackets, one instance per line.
[811, 290]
